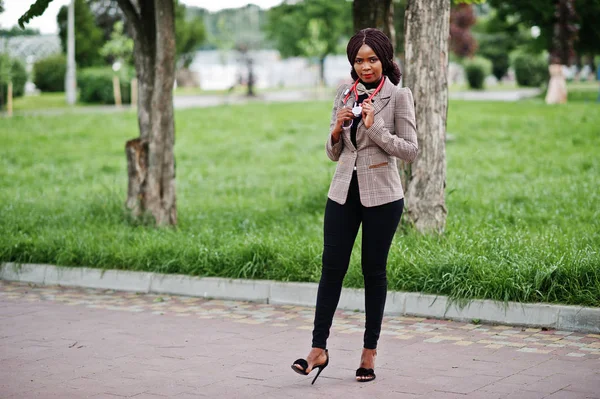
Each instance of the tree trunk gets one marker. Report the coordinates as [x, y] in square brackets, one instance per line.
[375, 14]
[427, 26]
[150, 157]
[160, 192]
[322, 70]
[565, 32]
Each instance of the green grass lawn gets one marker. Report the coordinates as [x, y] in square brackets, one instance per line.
[522, 195]
[41, 101]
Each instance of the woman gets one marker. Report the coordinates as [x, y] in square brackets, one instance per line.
[372, 124]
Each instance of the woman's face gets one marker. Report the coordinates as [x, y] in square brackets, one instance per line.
[367, 65]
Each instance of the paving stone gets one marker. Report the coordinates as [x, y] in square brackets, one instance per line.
[83, 342]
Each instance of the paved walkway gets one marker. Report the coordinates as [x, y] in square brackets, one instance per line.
[209, 100]
[77, 343]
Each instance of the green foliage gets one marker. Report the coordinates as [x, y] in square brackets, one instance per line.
[530, 70]
[541, 13]
[49, 73]
[497, 38]
[89, 38]
[15, 31]
[232, 27]
[96, 85]
[399, 12]
[11, 69]
[119, 47]
[588, 41]
[522, 224]
[476, 70]
[35, 10]
[106, 14]
[538, 13]
[189, 33]
[42, 101]
[314, 45]
[291, 29]
[19, 78]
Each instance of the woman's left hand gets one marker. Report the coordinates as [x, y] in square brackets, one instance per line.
[368, 113]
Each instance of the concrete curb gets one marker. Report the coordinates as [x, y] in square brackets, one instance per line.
[569, 318]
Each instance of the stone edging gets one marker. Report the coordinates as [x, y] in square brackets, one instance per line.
[570, 318]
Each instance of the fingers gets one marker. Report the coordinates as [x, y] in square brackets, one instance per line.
[344, 115]
[344, 112]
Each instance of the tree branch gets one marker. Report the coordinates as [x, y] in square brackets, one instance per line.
[131, 14]
[35, 10]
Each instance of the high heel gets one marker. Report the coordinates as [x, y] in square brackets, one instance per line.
[304, 364]
[321, 367]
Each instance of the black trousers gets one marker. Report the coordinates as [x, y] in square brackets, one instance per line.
[379, 225]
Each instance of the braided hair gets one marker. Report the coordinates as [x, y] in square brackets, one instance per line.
[381, 45]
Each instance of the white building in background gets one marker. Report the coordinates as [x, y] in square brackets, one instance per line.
[31, 48]
[220, 70]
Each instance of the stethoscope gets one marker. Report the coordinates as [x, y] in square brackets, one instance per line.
[357, 108]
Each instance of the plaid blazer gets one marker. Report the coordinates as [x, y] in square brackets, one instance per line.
[392, 135]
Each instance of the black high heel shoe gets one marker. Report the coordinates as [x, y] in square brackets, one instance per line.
[304, 364]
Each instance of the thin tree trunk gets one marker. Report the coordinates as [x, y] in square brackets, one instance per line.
[427, 26]
[322, 71]
[160, 190]
[374, 14]
[137, 149]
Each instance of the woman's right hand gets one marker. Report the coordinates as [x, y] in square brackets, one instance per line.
[344, 114]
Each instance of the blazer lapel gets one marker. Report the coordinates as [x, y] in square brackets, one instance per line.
[382, 98]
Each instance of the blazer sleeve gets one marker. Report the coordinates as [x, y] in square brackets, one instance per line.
[403, 144]
[334, 150]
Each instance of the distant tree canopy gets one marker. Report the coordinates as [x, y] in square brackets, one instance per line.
[497, 39]
[190, 34]
[589, 34]
[544, 14]
[95, 22]
[106, 14]
[89, 38]
[16, 31]
[231, 28]
[312, 28]
[119, 47]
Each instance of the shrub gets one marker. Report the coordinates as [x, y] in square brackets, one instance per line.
[49, 73]
[11, 69]
[96, 86]
[530, 70]
[476, 70]
[500, 66]
[495, 46]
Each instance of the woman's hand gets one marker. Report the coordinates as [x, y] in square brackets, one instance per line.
[368, 113]
[344, 114]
